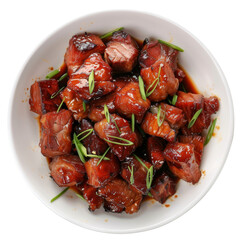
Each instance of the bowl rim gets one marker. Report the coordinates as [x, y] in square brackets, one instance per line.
[183, 210]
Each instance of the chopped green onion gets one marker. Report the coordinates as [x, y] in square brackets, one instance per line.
[133, 122]
[52, 74]
[115, 124]
[141, 87]
[106, 112]
[156, 81]
[132, 176]
[80, 196]
[210, 132]
[97, 156]
[88, 131]
[103, 156]
[194, 118]
[150, 195]
[78, 147]
[91, 82]
[59, 195]
[56, 93]
[149, 177]
[171, 45]
[128, 143]
[84, 106]
[106, 35]
[182, 87]
[59, 107]
[174, 99]
[63, 77]
[159, 115]
[140, 161]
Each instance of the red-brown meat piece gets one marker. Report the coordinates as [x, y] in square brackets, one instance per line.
[56, 133]
[129, 101]
[150, 126]
[80, 47]
[155, 147]
[100, 175]
[182, 161]
[67, 170]
[105, 130]
[154, 51]
[40, 96]
[120, 194]
[121, 52]
[139, 173]
[74, 104]
[167, 84]
[102, 78]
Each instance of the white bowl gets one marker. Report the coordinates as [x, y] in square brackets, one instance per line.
[200, 65]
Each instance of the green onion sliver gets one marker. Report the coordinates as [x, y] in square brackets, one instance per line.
[194, 118]
[156, 81]
[52, 74]
[78, 147]
[63, 77]
[84, 106]
[132, 176]
[210, 132]
[88, 131]
[103, 156]
[133, 122]
[149, 177]
[56, 93]
[174, 99]
[141, 87]
[159, 113]
[91, 82]
[115, 124]
[171, 45]
[106, 35]
[59, 195]
[140, 161]
[106, 112]
[59, 107]
[128, 143]
[80, 196]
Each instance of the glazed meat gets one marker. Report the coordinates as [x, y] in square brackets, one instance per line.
[139, 173]
[93, 143]
[182, 161]
[164, 186]
[155, 147]
[105, 130]
[129, 101]
[120, 195]
[74, 103]
[100, 175]
[150, 126]
[56, 133]
[167, 84]
[121, 52]
[102, 78]
[40, 96]
[80, 47]
[153, 51]
[67, 170]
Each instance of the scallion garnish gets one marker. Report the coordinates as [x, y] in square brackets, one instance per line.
[140, 161]
[133, 122]
[78, 147]
[88, 131]
[103, 156]
[194, 118]
[63, 77]
[174, 99]
[182, 87]
[56, 93]
[149, 177]
[115, 124]
[59, 195]
[171, 45]
[106, 35]
[80, 196]
[84, 106]
[52, 74]
[132, 176]
[59, 107]
[141, 87]
[91, 82]
[150, 195]
[106, 112]
[156, 81]
[128, 143]
[210, 132]
[159, 113]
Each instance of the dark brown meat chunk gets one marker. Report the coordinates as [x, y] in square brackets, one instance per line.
[67, 170]
[129, 101]
[102, 78]
[112, 207]
[182, 161]
[150, 126]
[139, 173]
[93, 143]
[80, 47]
[74, 103]
[167, 84]
[121, 52]
[155, 147]
[40, 96]
[105, 130]
[120, 194]
[56, 133]
[154, 51]
[100, 175]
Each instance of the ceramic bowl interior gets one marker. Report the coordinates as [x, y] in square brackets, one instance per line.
[199, 64]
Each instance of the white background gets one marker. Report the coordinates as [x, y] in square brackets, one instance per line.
[25, 24]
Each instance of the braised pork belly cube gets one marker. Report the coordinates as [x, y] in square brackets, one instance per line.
[40, 96]
[121, 52]
[67, 170]
[108, 130]
[139, 173]
[211, 106]
[120, 195]
[155, 147]
[153, 51]
[182, 161]
[151, 127]
[112, 207]
[164, 185]
[56, 133]
[100, 174]
[80, 47]
[167, 84]
[79, 81]
[129, 101]
[74, 103]
[93, 143]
